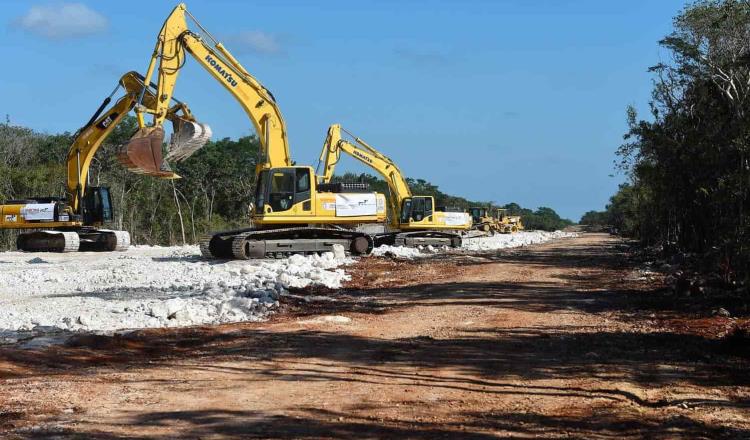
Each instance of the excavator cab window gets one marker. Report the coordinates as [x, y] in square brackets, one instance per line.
[416, 209]
[406, 211]
[302, 191]
[281, 193]
[97, 206]
[421, 208]
[260, 191]
[282, 188]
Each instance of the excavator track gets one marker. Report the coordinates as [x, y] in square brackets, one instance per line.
[48, 241]
[244, 244]
[204, 243]
[85, 239]
[103, 240]
[419, 238]
[106, 240]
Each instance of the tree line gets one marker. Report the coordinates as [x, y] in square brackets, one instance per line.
[543, 218]
[687, 164]
[216, 188]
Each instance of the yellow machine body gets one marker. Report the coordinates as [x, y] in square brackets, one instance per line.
[307, 205]
[495, 221]
[13, 216]
[292, 213]
[508, 223]
[70, 214]
[408, 212]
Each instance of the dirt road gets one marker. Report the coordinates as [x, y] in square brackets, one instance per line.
[563, 340]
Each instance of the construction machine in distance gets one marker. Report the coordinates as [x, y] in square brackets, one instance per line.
[74, 223]
[495, 220]
[482, 220]
[292, 212]
[414, 219]
[511, 223]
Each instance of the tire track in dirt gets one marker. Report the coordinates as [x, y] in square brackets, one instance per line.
[546, 341]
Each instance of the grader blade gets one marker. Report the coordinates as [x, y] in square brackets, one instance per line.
[142, 154]
[187, 138]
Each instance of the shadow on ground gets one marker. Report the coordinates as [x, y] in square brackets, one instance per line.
[314, 423]
[487, 362]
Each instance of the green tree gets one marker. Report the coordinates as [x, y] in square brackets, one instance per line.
[688, 165]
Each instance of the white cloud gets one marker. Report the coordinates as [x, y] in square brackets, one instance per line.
[255, 41]
[62, 20]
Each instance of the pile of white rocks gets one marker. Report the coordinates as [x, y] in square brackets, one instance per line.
[150, 287]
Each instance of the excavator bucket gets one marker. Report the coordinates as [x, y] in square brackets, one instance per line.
[187, 138]
[142, 154]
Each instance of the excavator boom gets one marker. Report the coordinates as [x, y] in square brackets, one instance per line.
[363, 152]
[174, 43]
[292, 213]
[89, 138]
[72, 224]
[417, 214]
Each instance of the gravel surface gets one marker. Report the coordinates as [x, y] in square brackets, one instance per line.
[558, 340]
[147, 287]
[155, 287]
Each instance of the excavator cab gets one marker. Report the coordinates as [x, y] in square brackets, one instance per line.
[97, 206]
[416, 209]
[279, 189]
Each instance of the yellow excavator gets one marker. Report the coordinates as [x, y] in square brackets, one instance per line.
[415, 220]
[74, 223]
[292, 212]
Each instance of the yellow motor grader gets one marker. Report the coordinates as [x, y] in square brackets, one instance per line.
[495, 221]
[508, 223]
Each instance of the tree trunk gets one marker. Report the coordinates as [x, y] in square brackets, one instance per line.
[179, 212]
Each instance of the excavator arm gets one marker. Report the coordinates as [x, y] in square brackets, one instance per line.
[360, 150]
[89, 138]
[174, 43]
[67, 226]
[408, 212]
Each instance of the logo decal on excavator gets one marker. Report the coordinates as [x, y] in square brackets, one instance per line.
[362, 156]
[226, 75]
[108, 120]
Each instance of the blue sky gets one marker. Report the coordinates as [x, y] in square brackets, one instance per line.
[493, 100]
